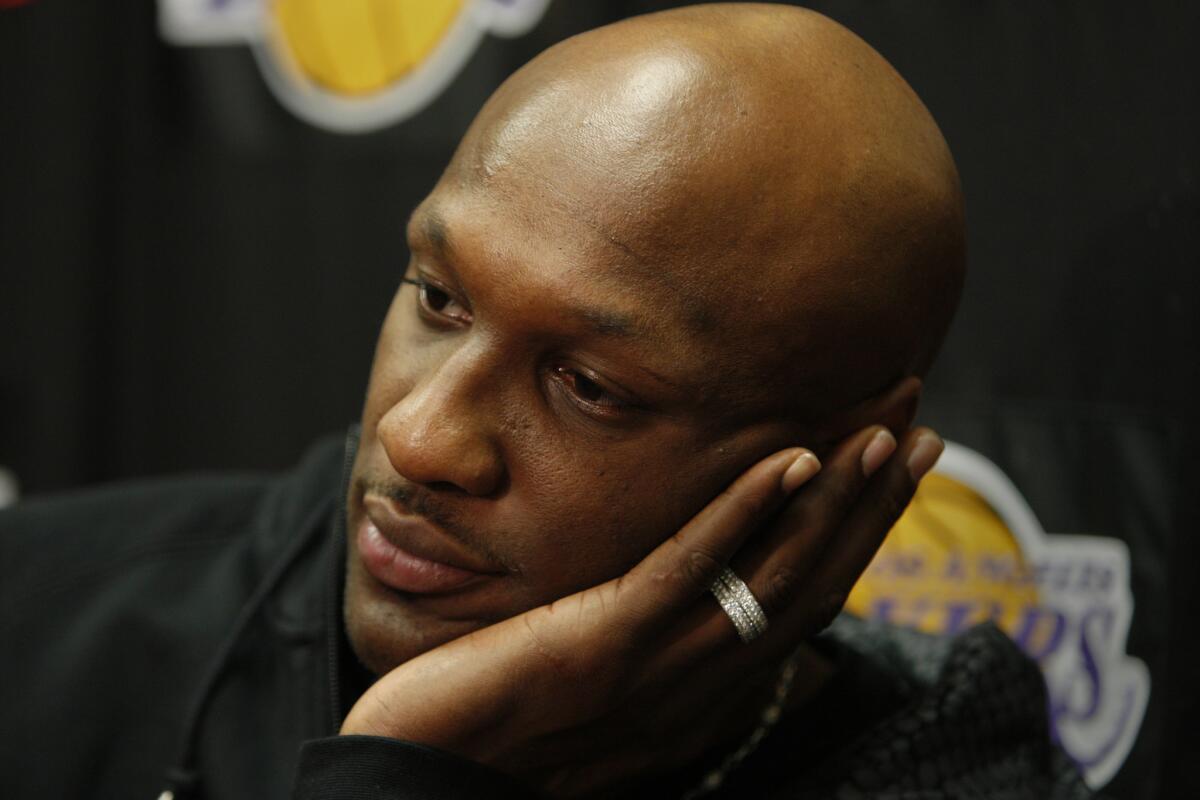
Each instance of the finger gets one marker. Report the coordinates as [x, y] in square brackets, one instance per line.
[882, 502]
[681, 568]
[777, 566]
[830, 555]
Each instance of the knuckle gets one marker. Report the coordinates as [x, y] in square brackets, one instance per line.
[537, 642]
[830, 607]
[550, 658]
[781, 589]
[699, 568]
[893, 504]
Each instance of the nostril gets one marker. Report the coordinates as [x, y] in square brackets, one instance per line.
[443, 486]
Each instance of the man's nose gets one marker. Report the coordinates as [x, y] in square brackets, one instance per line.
[439, 436]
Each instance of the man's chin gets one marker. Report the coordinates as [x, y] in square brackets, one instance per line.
[385, 630]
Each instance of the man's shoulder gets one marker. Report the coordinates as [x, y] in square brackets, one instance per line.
[115, 601]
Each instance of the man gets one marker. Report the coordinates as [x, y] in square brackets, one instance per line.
[671, 260]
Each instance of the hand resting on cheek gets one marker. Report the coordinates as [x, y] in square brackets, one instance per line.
[645, 673]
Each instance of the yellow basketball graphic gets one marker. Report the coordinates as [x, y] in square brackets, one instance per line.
[948, 563]
[352, 66]
[358, 47]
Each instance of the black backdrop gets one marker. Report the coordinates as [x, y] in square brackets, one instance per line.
[192, 278]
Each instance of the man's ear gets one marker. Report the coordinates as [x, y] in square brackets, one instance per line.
[895, 408]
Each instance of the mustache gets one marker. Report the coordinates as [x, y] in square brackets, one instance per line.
[421, 502]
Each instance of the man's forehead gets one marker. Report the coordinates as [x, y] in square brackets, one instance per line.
[611, 116]
[653, 152]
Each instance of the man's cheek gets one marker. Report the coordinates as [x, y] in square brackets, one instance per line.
[633, 519]
[586, 541]
[645, 507]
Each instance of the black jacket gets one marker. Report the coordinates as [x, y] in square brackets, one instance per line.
[186, 635]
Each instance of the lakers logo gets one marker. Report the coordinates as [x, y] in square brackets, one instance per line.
[351, 65]
[970, 549]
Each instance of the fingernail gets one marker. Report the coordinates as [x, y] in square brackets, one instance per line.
[804, 467]
[881, 446]
[924, 455]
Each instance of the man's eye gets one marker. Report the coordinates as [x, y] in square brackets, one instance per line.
[434, 297]
[437, 302]
[589, 391]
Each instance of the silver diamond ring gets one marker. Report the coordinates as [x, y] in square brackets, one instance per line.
[739, 605]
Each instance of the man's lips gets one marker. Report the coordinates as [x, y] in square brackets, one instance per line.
[410, 554]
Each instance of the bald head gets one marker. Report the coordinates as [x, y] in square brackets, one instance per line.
[762, 169]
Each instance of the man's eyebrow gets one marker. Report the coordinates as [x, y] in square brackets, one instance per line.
[614, 324]
[431, 226]
[609, 323]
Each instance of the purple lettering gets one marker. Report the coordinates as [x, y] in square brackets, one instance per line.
[1031, 633]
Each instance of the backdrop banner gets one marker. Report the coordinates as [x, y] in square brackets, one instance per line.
[203, 206]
